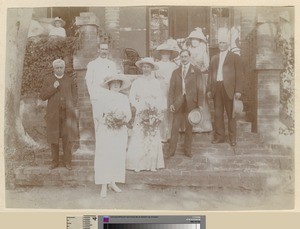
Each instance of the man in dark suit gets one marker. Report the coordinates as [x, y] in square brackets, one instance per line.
[184, 96]
[224, 84]
[61, 92]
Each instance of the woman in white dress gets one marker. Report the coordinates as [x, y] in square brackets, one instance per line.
[196, 43]
[145, 147]
[165, 53]
[58, 30]
[111, 135]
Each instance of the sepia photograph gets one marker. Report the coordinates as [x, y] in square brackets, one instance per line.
[187, 108]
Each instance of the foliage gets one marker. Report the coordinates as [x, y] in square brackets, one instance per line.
[39, 55]
[287, 96]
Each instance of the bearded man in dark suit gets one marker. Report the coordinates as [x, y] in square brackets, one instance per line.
[224, 85]
[184, 96]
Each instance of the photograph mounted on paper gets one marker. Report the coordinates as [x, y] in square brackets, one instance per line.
[150, 108]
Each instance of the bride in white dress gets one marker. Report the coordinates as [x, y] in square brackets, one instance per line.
[111, 135]
[145, 147]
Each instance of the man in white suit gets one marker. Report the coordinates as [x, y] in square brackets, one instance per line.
[97, 71]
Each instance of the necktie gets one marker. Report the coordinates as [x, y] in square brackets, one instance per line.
[183, 79]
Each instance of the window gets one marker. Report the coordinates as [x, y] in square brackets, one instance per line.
[158, 26]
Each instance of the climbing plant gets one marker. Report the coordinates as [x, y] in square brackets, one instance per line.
[287, 85]
[39, 55]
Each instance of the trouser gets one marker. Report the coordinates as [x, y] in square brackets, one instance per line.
[65, 141]
[181, 116]
[221, 101]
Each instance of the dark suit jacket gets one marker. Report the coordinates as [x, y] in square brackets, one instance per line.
[232, 74]
[194, 96]
[68, 91]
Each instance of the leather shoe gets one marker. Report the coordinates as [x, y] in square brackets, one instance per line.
[216, 141]
[53, 166]
[189, 155]
[68, 166]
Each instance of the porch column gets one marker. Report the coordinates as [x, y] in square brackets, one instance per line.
[268, 69]
[88, 25]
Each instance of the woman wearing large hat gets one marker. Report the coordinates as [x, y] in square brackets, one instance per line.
[196, 43]
[111, 134]
[145, 148]
[165, 53]
[58, 30]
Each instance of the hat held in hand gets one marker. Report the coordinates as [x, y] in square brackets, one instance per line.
[195, 117]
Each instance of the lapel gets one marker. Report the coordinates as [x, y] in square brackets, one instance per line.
[179, 73]
[226, 58]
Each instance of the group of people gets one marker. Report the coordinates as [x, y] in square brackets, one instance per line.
[165, 99]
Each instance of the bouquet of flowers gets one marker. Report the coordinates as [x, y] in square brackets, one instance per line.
[114, 120]
[151, 118]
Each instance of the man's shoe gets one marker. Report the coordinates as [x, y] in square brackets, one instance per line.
[53, 166]
[68, 166]
[216, 141]
[189, 155]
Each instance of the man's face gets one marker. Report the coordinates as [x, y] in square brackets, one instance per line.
[103, 50]
[223, 46]
[59, 69]
[184, 58]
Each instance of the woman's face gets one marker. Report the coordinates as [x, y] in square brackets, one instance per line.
[58, 24]
[195, 42]
[115, 85]
[147, 68]
[165, 55]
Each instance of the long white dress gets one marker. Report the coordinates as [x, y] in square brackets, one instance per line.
[145, 152]
[200, 59]
[110, 153]
[164, 74]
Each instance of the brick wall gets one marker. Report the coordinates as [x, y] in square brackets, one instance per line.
[88, 26]
[248, 55]
[268, 68]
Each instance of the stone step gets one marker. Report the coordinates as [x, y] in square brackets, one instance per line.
[205, 160]
[86, 152]
[253, 180]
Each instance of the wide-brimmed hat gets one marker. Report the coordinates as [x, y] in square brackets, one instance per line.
[174, 44]
[195, 117]
[147, 60]
[285, 15]
[117, 77]
[197, 34]
[165, 47]
[63, 23]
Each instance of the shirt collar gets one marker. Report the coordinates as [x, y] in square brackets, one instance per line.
[224, 52]
[59, 77]
[187, 66]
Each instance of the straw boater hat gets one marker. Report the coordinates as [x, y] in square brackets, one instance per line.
[59, 19]
[147, 60]
[195, 117]
[197, 34]
[165, 47]
[237, 107]
[117, 77]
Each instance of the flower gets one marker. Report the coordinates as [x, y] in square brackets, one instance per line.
[151, 118]
[114, 120]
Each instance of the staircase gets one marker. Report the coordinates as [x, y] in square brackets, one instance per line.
[251, 165]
